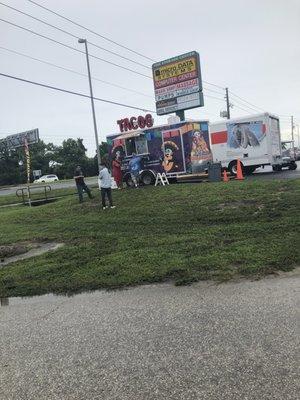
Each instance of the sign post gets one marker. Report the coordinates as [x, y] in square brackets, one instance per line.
[27, 155]
[178, 84]
[23, 139]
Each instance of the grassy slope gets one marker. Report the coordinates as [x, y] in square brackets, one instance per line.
[185, 232]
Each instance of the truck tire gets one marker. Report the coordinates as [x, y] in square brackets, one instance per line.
[292, 166]
[147, 178]
[232, 167]
[277, 168]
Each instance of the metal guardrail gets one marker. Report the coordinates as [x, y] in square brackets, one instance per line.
[27, 191]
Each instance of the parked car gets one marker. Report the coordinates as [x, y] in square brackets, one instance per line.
[47, 179]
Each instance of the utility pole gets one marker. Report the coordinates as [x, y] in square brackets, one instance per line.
[92, 101]
[227, 103]
[292, 129]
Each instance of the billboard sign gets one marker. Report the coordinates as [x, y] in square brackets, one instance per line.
[178, 83]
[18, 140]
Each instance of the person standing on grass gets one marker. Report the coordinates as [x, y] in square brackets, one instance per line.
[135, 166]
[80, 184]
[117, 172]
[105, 186]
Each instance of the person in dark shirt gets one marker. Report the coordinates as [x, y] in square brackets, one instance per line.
[80, 184]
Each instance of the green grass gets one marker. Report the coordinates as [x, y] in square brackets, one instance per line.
[183, 232]
[39, 194]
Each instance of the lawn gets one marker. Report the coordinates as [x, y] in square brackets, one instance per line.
[184, 232]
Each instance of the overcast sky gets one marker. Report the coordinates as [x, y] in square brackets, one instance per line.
[252, 47]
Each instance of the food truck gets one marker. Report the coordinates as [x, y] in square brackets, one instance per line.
[174, 149]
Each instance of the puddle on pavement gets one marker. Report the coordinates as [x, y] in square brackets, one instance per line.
[19, 252]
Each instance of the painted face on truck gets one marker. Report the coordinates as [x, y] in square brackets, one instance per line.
[169, 154]
[169, 149]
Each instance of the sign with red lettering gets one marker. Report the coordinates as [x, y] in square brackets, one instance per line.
[128, 124]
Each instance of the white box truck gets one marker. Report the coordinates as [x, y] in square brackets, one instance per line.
[254, 140]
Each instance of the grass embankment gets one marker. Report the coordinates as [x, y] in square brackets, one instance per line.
[182, 232]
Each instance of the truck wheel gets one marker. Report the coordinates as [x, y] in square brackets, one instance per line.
[232, 167]
[147, 178]
[277, 168]
[292, 166]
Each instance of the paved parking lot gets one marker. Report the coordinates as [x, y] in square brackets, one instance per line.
[233, 341]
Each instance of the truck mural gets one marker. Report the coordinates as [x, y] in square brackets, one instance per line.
[175, 149]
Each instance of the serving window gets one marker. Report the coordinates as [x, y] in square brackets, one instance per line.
[137, 145]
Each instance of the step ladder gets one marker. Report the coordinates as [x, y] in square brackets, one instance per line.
[161, 179]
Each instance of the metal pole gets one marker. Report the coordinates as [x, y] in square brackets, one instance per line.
[92, 101]
[227, 103]
[180, 114]
[27, 154]
[292, 128]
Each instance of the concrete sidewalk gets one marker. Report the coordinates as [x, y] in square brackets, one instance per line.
[232, 341]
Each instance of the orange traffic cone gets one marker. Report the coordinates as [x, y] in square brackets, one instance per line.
[225, 176]
[239, 172]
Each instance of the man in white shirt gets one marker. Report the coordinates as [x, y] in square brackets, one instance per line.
[105, 186]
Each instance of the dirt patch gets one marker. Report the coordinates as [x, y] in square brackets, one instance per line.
[17, 252]
[12, 250]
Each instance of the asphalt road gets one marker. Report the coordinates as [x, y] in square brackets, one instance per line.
[261, 173]
[235, 341]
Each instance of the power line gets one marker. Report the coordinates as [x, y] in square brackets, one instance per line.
[247, 111]
[212, 84]
[75, 93]
[213, 97]
[90, 30]
[245, 101]
[91, 43]
[248, 107]
[72, 48]
[105, 37]
[72, 35]
[73, 71]
[213, 91]
[94, 78]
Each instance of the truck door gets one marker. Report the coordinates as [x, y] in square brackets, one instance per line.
[172, 147]
[275, 140]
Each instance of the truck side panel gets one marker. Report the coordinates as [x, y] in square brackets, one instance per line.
[174, 149]
[246, 139]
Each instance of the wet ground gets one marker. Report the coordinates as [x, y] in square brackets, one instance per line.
[232, 341]
[12, 253]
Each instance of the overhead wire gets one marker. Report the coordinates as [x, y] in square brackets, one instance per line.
[213, 97]
[243, 109]
[75, 93]
[245, 101]
[72, 35]
[105, 37]
[90, 30]
[73, 48]
[73, 71]
[116, 54]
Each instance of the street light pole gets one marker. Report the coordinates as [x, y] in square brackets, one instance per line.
[92, 101]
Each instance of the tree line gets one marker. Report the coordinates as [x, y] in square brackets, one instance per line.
[50, 159]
